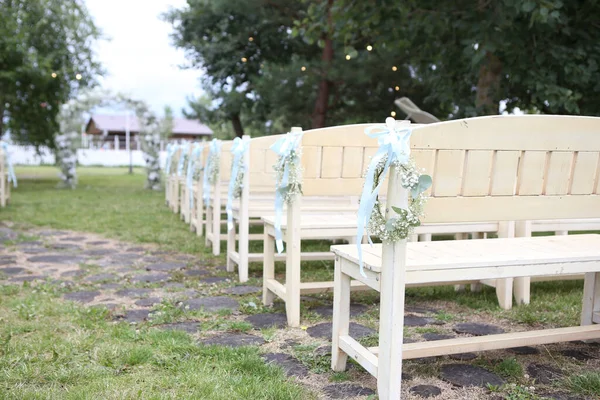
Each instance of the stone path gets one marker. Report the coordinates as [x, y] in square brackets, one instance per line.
[170, 291]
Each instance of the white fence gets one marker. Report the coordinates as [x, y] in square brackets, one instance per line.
[27, 155]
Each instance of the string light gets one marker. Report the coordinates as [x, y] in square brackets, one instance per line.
[244, 59]
[303, 68]
[393, 113]
[251, 39]
[78, 77]
[394, 68]
[369, 48]
[397, 88]
[348, 56]
[54, 75]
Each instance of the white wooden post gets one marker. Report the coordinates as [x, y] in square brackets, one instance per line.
[522, 285]
[504, 287]
[3, 181]
[341, 315]
[391, 314]
[116, 142]
[477, 286]
[591, 298]
[268, 267]
[244, 231]
[216, 218]
[460, 236]
[292, 262]
[200, 206]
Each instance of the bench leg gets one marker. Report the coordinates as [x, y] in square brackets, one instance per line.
[216, 229]
[522, 288]
[292, 263]
[341, 316]
[504, 290]
[591, 299]
[243, 244]
[460, 236]
[268, 267]
[476, 287]
[208, 225]
[230, 247]
[199, 216]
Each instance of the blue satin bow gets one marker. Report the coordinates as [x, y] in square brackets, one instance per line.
[184, 151]
[214, 148]
[283, 147]
[394, 146]
[11, 171]
[240, 146]
[194, 158]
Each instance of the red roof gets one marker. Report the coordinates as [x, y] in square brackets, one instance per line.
[116, 123]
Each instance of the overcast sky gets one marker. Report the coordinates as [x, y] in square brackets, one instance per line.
[138, 56]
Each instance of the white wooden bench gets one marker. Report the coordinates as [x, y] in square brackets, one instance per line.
[504, 168]
[5, 175]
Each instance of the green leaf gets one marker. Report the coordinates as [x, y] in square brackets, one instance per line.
[528, 6]
[398, 210]
[389, 224]
[425, 183]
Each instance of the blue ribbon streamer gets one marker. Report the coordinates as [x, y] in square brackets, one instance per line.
[394, 143]
[11, 171]
[184, 150]
[238, 149]
[214, 148]
[170, 150]
[283, 147]
[194, 159]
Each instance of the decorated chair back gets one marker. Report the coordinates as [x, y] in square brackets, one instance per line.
[262, 160]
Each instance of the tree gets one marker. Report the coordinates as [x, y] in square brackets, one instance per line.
[45, 56]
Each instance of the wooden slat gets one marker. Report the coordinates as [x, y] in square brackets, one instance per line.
[276, 288]
[532, 169]
[331, 162]
[311, 161]
[585, 172]
[448, 173]
[312, 256]
[323, 287]
[363, 356]
[559, 172]
[352, 161]
[596, 318]
[504, 175]
[477, 173]
[494, 342]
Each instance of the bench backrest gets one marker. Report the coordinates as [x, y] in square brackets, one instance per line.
[262, 160]
[510, 168]
[335, 160]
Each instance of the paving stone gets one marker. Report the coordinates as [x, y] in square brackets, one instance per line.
[52, 233]
[7, 234]
[74, 238]
[469, 375]
[524, 350]
[12, 270]
[149, 302]
[108, 306]
[234, 340]
[266, 320]
[195, 272]
[544, 374]
[150, 278]
[323, 330]
[135, 316]
[28, 278]
[126, 257]
[97, 242]
[290, 365]
[134, 293]
[135, 250]
[189, 327]
[346, 390]
[211, 304]
[34, 250]
[560, 396]
[184, 295]
[165, 267]
[242, 290]
[476, 329]
[101, 278]
[99, 252]
[426, 391]
[64, 246]
[214, 279]
[323, 351]
[577, 354]
[83, 297]
[56, 259]
[28, 243]
[430, 337]
[327, 311]
[413, 320]
[420, 310]
[109, 286]
[73, 273]
[463, 356]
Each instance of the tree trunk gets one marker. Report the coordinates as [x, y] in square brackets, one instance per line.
[1, 117]
[237, 125]
[488, 86]
[322, 103]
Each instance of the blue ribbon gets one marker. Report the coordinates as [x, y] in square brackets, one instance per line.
[194, 158]
[184, 150]
[394, 143]
[283, 147]
[11, 171]
[214, 148]
[238, 149]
